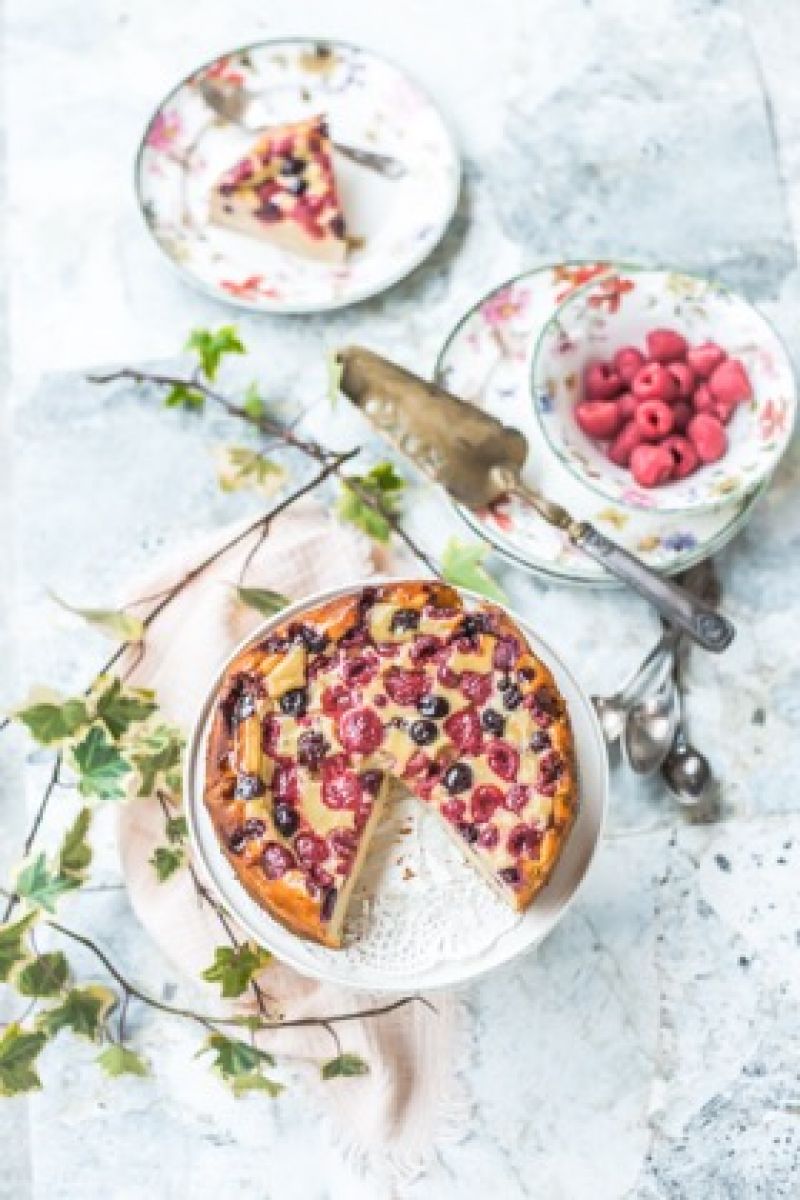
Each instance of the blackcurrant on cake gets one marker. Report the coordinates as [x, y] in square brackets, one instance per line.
[284, 191]
[403, 682]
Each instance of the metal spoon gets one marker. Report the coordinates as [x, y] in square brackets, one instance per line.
[650, 729]
[686, 772]
[613, 710]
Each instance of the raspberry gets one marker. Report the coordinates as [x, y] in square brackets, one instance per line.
[448, 677]
[598, 418]
[310, 849]
[682, 414]
[705, 358]
[524, 839]
[708, 437]
[654, 382]
[666, 345]
[424, 648]
[276, 860]
[453, 810]
[628, 360]
[703, 401]
[628, 403]
[506, 653]
[360, 729]
[651, 465]
[357, 672]
[336, 699]
[284, 783]
[405, 687]
[476, 687]
[503, 760]
[684, 377]
[684, 456]
[270, 735]
[730, 382]
[488, 837]
[340, 787]
[601, 381]
[464, 730]
[485, 800]
[517, 797]
[626, 441]
[654, 420]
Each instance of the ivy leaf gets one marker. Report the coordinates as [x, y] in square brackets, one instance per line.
[165, 862]
[75, 854]
[50, 718]
[12, 948]
[462, 564]
[43, 976]
[233, 1057]
[156, 753]
[120, 707]
[240, 468]
[385, 486]
[334, 369]
[37, 884]
[263, 600]
[83, 1011]
[113, 622]
[253, 404]
[119, 1060]
[101, 766]
[177, 829]
[183, 395]
[211, 346]
[18, 1051]
[345, 1064]
[234, 967]
[255, 1083]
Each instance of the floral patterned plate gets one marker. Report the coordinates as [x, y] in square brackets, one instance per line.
[370, 105]
[486, 361]
[619, 310]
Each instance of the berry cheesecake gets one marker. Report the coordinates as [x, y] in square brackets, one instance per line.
[400, 682]
[284, 191]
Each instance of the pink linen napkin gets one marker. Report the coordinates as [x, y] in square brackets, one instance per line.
[389, 1120]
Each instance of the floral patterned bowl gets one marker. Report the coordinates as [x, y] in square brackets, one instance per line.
[618, 309]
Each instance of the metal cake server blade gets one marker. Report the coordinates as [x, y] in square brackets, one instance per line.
[477, 460]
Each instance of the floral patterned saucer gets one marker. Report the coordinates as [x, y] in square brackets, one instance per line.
[370, 105]
[486, 360]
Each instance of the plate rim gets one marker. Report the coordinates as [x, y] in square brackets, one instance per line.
[474, 968]
[295, 309]
[516, 557]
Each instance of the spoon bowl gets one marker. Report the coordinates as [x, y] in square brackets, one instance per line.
[650, 730]
[686, 772]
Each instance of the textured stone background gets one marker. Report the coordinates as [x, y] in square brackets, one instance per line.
[649, 1051]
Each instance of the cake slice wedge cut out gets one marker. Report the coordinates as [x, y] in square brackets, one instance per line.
[284, 191]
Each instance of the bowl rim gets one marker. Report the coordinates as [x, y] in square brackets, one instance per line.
[621, 267]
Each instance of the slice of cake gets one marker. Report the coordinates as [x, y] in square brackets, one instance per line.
[398, 682]
[284, 192]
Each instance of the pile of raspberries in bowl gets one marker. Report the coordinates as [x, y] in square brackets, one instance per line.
[662, 410]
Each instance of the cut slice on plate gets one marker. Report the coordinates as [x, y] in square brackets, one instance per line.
[284, 192]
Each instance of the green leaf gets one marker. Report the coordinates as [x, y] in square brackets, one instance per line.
[12, 948]
[462, 564]
[345, 1064]
[234, 967]
[334, 370]
[263, 600]
[166, 861]
[119, 1060]
[75, 854]
[234, 1057]
[240, 468]
[211, 346]
[176, 829]
[43, 976]
[156, 753]
[83, 1011]
[51, 718]
[101, 766]
[119, 707]
[255, 1083]
[113, 622]
[37, 884]
[182, 395]
[18, 1052]
[253, 404]
[385, 487]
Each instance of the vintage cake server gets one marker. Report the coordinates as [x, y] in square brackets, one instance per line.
[477, 460]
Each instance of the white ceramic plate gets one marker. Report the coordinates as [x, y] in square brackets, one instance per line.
[425, 918]
[485, 360]
[370, 104]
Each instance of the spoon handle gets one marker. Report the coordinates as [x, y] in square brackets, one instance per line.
[704, 625]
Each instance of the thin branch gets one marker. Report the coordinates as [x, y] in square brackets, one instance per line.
[13, 900]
